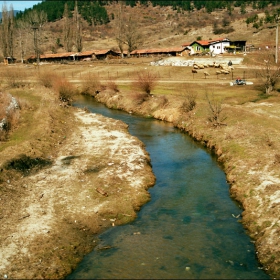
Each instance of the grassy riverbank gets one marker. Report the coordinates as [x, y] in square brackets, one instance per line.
[246, 140]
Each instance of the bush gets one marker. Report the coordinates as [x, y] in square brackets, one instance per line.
[190, 102]
[9, 114]
[91, 85]
[145, 81]
[47, 78]
[215, 111]
[113, 86]
[65, 90]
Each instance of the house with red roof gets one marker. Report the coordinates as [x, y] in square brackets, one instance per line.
[216, 46]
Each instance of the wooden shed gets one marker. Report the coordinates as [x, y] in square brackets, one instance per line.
[173, 51]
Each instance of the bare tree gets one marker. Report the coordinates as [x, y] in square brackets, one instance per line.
[36, 20]
[24, 36]
[132, 35]
[67, 34]
[7, 31]
[127, 31]
[120, 29]
[269, 72]
[77, 28]
[10, 38]
[4, 30]
[215, 109]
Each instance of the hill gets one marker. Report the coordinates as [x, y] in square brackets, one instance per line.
[164, 26]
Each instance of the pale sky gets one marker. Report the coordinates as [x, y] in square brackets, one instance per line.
[19, 5]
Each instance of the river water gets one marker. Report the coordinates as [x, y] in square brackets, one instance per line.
[188, 229]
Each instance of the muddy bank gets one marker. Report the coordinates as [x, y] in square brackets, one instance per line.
[253, 175]
[97, 178]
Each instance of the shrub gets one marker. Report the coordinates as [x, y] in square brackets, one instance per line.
[9, 114]
[113, 86]
[47, 78]
[138, 98]
[190, 102]
[145, 81]
[215, 110]
[91, 85]
[64, 89]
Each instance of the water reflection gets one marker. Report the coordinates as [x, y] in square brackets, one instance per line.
[187, 230]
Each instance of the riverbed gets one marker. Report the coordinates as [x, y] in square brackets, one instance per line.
[191, 227]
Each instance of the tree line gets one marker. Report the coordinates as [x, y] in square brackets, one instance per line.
[95, 13]
[27, 26]
[28, 30]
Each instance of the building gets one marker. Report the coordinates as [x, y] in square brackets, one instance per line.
[216, 46]
[173, 51]
[73, 56]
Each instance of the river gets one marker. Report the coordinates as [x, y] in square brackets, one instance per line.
[191, 227]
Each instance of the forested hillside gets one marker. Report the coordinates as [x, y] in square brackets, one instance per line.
[59, 26]
[94, 12]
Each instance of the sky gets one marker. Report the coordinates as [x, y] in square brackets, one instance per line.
[19, 5]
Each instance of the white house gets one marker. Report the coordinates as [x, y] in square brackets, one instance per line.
[218, 46]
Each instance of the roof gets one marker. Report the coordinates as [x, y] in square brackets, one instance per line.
[186, 44]
[53, 55]
[159, 50]
[67, 54]
[96, 52]
[209, 42]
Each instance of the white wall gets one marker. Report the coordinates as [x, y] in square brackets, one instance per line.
[218, 48]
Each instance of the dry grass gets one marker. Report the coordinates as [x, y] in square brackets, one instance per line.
[14, 77]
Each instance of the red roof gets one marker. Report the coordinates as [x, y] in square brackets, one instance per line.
[67, 54]
[96, 52]
[52, 55]
[208, 42]
[165, 50]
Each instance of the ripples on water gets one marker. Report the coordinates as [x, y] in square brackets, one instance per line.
[187, 230]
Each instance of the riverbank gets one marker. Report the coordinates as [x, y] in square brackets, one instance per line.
[97, 178]
[246, 144]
